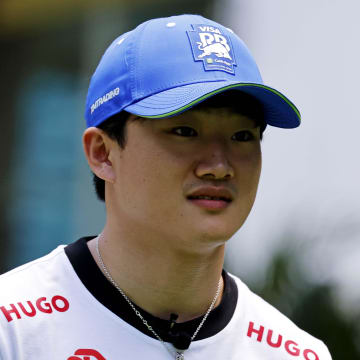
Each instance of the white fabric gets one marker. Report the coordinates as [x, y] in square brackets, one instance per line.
[66, 318]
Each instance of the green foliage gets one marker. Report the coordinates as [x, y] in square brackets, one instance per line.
[310, 306]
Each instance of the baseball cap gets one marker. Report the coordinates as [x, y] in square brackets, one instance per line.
[168, 65]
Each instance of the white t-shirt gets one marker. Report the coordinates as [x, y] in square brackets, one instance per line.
[61, 307]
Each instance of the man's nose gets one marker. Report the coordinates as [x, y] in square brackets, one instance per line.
[214, 163]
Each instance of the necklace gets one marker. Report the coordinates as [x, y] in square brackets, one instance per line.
[179, 354]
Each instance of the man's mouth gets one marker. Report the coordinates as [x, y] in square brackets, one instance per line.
[211, 198]
[206, 197]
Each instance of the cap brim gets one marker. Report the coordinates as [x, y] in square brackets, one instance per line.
[279, 111]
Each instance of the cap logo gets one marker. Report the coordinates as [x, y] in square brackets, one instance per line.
[212, 47]
[98, 102]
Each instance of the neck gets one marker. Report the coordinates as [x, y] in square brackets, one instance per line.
[161, 280]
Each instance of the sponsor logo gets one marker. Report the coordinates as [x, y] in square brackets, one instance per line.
[108, 96]
[212, 47]
[30, 308]
[86, 354]
[268, 337]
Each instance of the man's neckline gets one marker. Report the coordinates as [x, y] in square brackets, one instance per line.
[98, 285]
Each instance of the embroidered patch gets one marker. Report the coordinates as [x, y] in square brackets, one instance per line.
[212, 47]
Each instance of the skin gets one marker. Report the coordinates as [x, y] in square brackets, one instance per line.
[164, 251]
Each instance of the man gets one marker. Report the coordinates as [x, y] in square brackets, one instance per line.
[175, 113]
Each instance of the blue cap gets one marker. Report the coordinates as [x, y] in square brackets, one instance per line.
[166, 66]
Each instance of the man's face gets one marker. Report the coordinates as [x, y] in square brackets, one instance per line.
[192, 177]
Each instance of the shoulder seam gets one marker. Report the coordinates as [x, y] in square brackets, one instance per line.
[58, 251]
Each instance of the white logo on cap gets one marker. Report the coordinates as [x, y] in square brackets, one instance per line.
[219, 49]
[108, 96]
[214, 48]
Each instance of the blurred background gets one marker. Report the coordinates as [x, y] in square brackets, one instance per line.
[300, 247]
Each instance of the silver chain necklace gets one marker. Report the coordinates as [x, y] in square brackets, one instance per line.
[179, 354]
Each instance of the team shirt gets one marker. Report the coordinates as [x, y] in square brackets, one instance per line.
[61, 307]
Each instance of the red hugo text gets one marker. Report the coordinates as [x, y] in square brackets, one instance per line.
[56, 303]
[290, 346]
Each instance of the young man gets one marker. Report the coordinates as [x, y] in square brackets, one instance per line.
[175, 114]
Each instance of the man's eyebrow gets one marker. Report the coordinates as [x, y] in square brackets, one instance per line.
[134, 117]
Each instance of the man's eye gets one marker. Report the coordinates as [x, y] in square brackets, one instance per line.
[243, 135]
[184, 131]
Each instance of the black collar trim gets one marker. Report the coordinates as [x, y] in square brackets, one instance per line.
[97, 284]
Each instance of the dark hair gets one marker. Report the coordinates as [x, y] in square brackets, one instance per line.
[237, 101]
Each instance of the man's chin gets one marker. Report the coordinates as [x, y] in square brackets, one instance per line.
[215, 234]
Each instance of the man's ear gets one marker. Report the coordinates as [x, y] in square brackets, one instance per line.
[97, 146]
